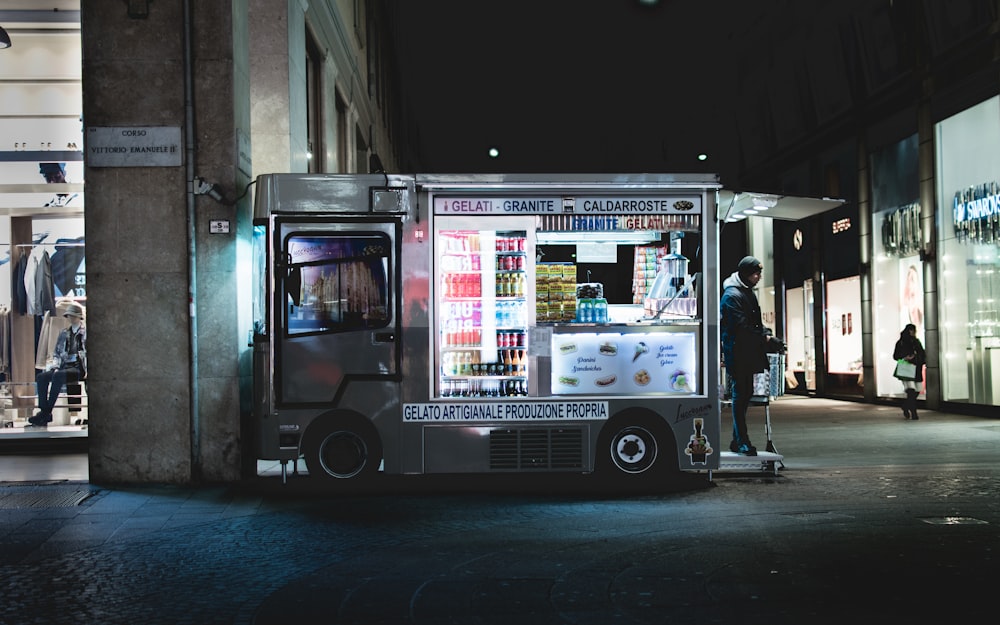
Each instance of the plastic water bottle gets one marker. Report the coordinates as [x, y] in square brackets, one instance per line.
[601, 310]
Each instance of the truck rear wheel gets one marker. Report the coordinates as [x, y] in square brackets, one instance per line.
[633, 449]
[634, 446]
[342, 447]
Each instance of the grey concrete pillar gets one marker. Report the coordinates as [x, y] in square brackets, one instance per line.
[164, 322]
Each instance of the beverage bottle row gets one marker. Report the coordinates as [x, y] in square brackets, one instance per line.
[592, 310]
[510, 284]
[462, 334]
[484, 388]
[511, 314]
[514, 361]
[510, 362]
[463, 285]
[510, 339]
[510, 262]
[510, 243]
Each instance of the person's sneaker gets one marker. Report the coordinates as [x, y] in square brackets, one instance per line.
[747, 450]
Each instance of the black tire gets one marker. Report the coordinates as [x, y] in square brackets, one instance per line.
[635, 447]
[342, 447]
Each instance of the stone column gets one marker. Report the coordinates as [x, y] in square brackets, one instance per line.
[163, 290]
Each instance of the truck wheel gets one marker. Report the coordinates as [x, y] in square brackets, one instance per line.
[634, 445]
[342, 449]
[633, 449]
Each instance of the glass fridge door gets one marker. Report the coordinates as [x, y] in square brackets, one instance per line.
[482, 313]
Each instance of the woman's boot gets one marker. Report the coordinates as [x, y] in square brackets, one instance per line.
[911, 401]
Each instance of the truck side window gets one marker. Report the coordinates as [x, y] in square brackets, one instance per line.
[337, 282]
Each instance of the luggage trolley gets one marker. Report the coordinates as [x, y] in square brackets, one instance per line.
[767, 385]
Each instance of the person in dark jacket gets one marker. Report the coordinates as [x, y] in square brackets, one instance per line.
[908, 348]
[745, 344]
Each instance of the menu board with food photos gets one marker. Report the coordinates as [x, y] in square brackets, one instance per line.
[613, 363]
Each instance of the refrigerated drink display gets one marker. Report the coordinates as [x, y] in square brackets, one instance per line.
[482, 321]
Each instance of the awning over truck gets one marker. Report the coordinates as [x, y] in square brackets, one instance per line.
[736, 205]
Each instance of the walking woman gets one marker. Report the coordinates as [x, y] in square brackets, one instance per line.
[908, 348]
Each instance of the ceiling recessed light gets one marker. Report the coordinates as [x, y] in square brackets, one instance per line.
[703, 157]
[494, 152]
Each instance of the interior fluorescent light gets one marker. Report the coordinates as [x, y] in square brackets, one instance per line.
[750, 211]
[609, 236]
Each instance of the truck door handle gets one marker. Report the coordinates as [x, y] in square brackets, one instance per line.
[384, 337]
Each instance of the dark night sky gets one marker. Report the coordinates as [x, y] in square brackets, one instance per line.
[571, 85]
[614, 86]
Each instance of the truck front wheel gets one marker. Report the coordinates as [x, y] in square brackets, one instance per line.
[342, 448]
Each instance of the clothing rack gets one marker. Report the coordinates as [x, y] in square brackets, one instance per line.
[74, 244]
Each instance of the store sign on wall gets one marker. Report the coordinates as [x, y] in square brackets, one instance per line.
[841, 225]
[976, 213]
[133, 146]
[901, 231]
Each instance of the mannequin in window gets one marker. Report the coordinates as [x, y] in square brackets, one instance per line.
[68, 362]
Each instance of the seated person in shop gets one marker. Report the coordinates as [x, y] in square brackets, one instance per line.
[68, 362]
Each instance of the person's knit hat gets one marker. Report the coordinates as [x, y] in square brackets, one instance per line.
[748, 265]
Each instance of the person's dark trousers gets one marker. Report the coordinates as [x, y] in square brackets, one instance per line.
[48, 385]
[742, 392]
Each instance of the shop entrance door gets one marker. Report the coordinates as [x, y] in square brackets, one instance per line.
[800, 334]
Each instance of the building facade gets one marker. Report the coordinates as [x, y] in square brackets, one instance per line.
[899, 117]
[903, 126]
[201, 97]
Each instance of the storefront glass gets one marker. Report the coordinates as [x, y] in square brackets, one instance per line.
[41, 213]
[897, 271]
[800, 338]
[843, 326]
[968, 249]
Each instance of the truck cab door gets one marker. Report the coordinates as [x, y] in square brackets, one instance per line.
[337, 286]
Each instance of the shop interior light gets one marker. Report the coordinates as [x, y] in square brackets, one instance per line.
[4, 39]
[609, 236]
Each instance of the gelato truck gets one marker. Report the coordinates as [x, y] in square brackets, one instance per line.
[456, 324]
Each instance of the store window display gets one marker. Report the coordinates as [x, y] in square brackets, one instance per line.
[913, 296]
[968, 257]
[897, 268]
[68, 363]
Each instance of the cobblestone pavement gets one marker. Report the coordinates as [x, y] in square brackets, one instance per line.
[873, 519]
